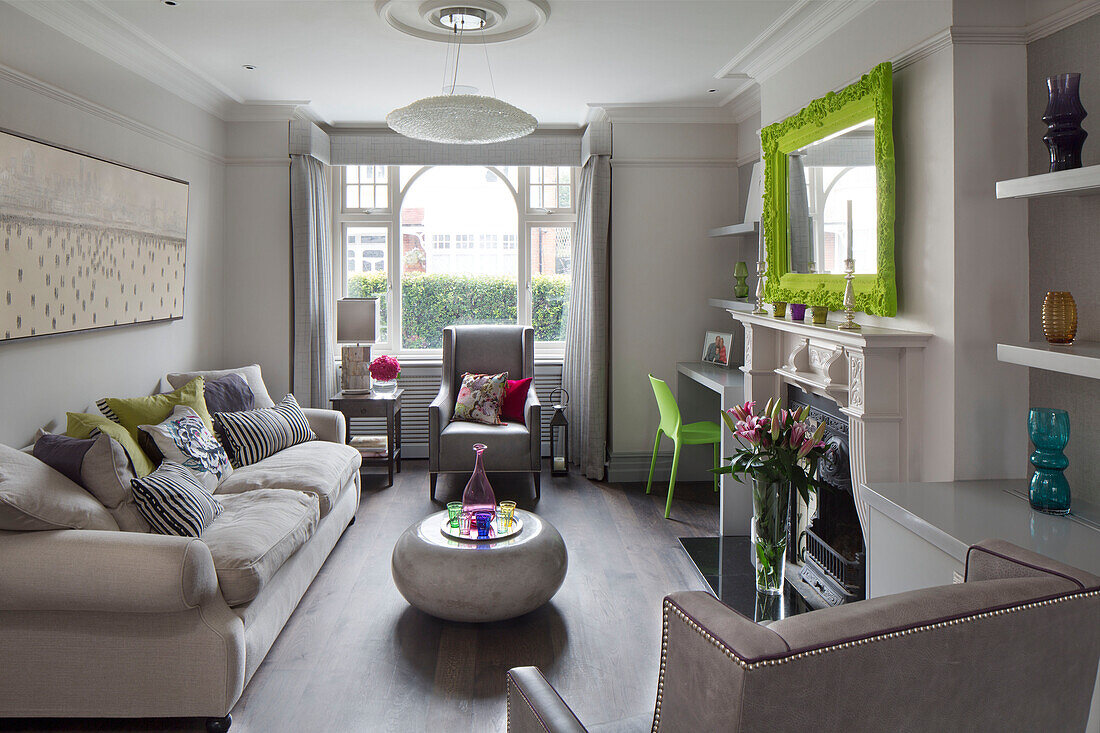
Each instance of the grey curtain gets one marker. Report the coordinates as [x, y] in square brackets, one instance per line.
[584, 373]
[311, 224]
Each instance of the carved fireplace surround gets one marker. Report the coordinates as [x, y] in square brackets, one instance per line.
[872, 375]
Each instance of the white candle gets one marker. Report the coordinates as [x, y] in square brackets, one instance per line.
[760, 236]
[850, 254]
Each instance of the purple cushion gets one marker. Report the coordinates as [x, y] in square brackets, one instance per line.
[229, 394]
[62, 453]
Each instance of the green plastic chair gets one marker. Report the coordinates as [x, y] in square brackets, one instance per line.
[696, 433]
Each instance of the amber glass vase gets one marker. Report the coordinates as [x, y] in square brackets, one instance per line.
[1059, 317]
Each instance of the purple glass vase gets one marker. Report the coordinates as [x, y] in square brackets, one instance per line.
[478, 496]
[1063, 116]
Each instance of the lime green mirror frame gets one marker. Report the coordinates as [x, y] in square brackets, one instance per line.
[869, 98]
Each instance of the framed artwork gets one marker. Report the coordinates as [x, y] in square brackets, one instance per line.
[85, 243]
[716, 348]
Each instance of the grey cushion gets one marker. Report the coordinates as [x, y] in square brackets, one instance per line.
[250, 373]
[254, 535]
[318, 467]
[228, 394]
[508, 447]
[34, 496]
[104, 471]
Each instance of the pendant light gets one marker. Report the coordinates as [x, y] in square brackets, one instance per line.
[462, 119]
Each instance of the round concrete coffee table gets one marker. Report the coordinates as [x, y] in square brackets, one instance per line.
[464, 580]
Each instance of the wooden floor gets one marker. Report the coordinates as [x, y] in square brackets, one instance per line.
[356, 657]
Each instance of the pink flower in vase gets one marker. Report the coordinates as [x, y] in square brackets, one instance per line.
[384, 368]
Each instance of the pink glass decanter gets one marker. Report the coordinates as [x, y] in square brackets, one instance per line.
[478, 495]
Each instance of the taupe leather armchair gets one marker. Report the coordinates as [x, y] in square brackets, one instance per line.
[1014, 648]
[512, 447]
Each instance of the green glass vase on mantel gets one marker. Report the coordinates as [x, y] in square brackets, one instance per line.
[740, 276]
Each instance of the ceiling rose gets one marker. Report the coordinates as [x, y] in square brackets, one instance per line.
[501, 22]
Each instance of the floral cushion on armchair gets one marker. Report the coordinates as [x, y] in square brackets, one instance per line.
[481, 398]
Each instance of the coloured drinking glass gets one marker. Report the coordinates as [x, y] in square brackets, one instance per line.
[454, 508]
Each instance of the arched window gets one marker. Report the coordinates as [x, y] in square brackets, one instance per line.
[463, 244]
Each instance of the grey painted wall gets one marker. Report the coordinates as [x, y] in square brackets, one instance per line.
[1064, 252]
[141, 125]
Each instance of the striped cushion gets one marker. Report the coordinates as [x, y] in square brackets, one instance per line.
[174, 502]
[253, 435]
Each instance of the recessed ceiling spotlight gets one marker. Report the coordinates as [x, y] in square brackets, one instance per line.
[248, 67]
[711, 91]
[170, 3]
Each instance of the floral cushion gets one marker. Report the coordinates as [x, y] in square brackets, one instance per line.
[184, 439]
[481, 398]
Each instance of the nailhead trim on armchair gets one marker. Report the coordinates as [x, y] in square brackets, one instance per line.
[670, 607]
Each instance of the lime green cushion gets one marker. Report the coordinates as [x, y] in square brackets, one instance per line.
[155, 409]
[82, 424]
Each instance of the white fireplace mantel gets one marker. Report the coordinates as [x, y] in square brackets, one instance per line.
[871, 374]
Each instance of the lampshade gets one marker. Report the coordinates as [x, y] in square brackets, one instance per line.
[356, 320]
[461, 119]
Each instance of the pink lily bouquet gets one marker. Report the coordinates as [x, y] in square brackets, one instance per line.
[779, 450]
[776, 445]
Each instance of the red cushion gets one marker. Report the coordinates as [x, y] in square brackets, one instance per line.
[515, 397]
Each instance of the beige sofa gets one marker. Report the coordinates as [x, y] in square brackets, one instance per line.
[125, 624]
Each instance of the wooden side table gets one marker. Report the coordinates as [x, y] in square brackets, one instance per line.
[374, 404]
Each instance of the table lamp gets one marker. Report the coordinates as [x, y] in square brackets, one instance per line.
[356, 323]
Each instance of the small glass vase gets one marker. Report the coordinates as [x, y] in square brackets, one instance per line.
[478, 495]
[771, 510]
[384, 386]
[1059, 317]
[740, 275]
[1049, 431]
[1063, 115]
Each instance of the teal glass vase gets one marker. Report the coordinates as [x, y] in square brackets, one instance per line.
[1049, 432]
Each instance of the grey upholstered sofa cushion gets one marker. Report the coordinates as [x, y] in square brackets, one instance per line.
[251, 375]
[254, 536]
[34, 496]
[508, 446]
[318, 467]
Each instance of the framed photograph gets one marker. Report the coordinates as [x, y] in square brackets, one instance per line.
[716, 348]
[85, 243]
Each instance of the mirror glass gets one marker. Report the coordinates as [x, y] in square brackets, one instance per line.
[832, 203]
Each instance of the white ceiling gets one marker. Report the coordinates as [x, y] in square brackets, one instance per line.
[352, 67]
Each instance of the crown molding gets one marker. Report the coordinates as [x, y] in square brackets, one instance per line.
[665, 113]
[804, 25]
[283, 162]
[922, 50]
[85, 106]
[264, 110]
[1062, 19]
[102, 30]
[987, 35]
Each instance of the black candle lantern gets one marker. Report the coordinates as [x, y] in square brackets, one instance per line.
[559, 434]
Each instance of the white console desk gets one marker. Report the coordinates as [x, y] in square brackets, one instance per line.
[700, 404]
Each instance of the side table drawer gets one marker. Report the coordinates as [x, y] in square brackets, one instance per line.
[361, 408]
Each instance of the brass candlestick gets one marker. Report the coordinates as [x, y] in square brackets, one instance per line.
[761, 269]
[849, 296]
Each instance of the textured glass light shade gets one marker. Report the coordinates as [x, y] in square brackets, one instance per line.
[463, 119]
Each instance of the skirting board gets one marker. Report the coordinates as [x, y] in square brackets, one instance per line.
[633, 466]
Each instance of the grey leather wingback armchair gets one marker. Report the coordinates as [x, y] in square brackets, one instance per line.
[1014, 648]
[511, 447]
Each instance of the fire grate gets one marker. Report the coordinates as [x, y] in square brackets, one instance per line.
[848, 573]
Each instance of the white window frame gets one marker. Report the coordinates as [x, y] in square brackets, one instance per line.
[390, 219]
[550, 210]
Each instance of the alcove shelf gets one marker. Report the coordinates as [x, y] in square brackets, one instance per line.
[1077, 182]
[735, 230]
[1081, 358]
